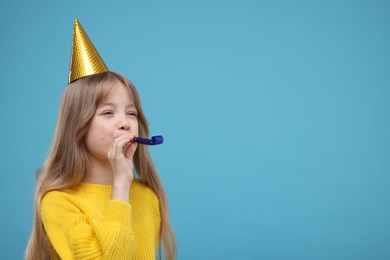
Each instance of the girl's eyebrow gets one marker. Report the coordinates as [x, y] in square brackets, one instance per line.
[107, 104]
[113, 105]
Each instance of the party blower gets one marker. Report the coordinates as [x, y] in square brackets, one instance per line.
[154, 140]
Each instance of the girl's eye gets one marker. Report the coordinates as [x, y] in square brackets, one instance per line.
[132, 114]
[107, 112]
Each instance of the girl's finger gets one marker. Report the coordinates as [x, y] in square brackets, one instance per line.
[130, 150]
[119, 144]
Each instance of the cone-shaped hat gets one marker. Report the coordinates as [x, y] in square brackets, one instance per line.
[84, 60]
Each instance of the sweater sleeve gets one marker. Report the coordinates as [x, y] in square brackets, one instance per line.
[74, 237]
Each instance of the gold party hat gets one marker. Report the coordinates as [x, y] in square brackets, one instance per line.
[84, 60]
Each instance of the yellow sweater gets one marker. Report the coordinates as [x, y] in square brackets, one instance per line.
[85, 223]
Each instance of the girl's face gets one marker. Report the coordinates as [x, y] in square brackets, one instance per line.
[115, 116]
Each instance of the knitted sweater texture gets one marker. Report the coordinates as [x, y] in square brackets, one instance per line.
[85, 223]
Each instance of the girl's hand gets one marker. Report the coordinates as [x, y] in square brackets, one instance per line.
[120, 157]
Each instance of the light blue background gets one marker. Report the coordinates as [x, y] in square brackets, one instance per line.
[276, 116]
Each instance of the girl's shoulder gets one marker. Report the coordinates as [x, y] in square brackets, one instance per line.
[140, 185]
[140, 189]
[58, 202]
[72, 196]
[144, 201]
[54, 195]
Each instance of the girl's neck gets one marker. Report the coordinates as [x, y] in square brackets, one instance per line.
[99, 172]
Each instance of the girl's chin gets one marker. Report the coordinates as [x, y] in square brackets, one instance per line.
[97, 156]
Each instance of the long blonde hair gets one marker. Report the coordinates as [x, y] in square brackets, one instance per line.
[67, 161]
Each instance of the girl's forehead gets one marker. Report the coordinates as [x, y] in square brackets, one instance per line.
[117, 89]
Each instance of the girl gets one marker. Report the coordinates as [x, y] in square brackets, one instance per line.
[88, 203]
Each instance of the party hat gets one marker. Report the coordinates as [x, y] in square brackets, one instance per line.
[84, 60]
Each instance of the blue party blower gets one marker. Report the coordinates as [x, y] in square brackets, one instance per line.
[155, 140]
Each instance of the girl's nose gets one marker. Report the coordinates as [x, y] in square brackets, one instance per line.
[125, 127]
[124, 124]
